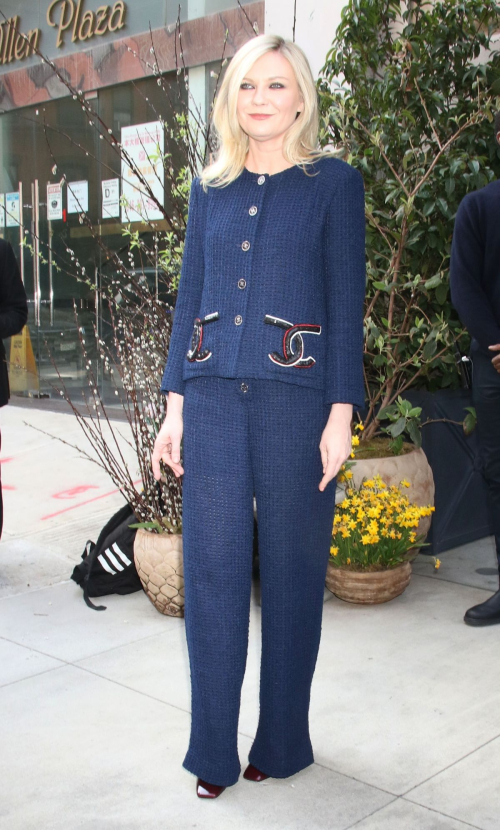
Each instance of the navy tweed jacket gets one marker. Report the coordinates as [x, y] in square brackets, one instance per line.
[273, 282]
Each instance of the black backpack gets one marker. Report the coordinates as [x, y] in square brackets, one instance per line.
[108, 565]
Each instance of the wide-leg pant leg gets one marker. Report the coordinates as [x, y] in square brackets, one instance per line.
[294, 530]
[217, 554]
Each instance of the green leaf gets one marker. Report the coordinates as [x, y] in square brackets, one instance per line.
[434, 281]
[397, 428]
[442, 293]
[414, 433]
[469, 424]
[443, 206]
[397, 445]
[387, 412]
[430, 349]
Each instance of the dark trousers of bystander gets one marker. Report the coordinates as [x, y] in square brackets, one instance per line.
[1, 499]
[486, 399]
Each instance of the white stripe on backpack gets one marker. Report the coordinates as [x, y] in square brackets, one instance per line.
[114, 561]
[105, 564]
[120, 553]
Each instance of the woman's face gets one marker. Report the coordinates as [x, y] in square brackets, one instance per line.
[269, 98]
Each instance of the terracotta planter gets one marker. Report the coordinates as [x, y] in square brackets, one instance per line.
[412, 466]
[158, 559]
[368, 587]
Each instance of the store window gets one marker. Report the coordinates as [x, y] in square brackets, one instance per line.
[40, 145]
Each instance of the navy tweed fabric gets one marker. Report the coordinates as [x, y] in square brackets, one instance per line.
[244, 436]
[273, 282]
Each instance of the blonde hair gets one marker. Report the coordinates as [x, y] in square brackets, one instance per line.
[300, 144]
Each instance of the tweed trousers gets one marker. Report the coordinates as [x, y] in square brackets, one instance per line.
[246, 436]
[486, 399]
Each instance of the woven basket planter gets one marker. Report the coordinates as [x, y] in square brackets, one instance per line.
[368, 587]
[158, 559]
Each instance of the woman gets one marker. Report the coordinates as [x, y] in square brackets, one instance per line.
[263, 372]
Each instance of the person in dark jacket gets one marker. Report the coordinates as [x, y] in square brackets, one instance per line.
[475, 293]
[264, 368]
[13, 316]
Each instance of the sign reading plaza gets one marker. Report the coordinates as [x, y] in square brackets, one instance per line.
[68, 16]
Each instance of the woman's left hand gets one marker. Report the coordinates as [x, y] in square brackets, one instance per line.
[335, 444]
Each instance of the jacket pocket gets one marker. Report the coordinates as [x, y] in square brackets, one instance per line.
[293, 342]
[196, 353]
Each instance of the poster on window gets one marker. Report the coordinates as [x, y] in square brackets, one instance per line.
[2, 210]
[54, 202]
[13, 219]
[78, 197]
[110, 198]
[143, 150]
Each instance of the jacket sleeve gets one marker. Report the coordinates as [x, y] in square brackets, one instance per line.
[13, 301]
[188, 294]
[345, 290]
[466, 267]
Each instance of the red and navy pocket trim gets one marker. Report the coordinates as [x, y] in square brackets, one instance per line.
[293, 342]
[195, 352]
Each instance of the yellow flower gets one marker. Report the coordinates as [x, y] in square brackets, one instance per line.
[348, 560]
[360, 427]
[333, 550]
[348, 474]
[369, 483]
[355, 440]
[345, 532]
[405, 483]
[437, 563]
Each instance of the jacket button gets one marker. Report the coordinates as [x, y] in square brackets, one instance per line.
[245, 245]
[244, 387]
[253, 210]
[242, 283]
[238, 320]
[261, 180]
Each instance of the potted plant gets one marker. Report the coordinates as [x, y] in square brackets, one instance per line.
[374, 539]
[123, 357]
[388, 455]
[413, 112]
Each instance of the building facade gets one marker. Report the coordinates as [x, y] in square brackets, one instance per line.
[123, 59]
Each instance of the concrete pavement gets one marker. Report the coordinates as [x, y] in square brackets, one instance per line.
[405, 721]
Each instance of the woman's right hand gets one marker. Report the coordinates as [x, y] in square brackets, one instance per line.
[167, 446]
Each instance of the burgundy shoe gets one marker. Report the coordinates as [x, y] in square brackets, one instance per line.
[206, 790]
[253, 774]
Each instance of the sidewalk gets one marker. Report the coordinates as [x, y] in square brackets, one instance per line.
[405, 721]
